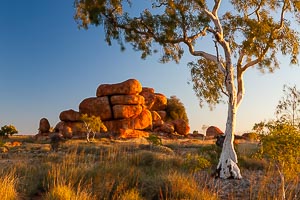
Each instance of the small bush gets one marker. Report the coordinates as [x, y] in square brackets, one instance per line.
[154, 140]
[195, 163]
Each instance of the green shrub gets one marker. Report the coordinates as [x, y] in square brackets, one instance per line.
[176, 110]
[195, 163]
[8, 130]
[154, 140]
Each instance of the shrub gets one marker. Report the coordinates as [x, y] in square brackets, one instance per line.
[154, 140]
[195, 163]
[176, 110]
[8, 130]
[281, 148]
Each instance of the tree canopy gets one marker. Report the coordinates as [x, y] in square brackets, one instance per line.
[8, 130]
[249, 32]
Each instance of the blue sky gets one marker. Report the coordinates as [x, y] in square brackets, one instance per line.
[48, 65]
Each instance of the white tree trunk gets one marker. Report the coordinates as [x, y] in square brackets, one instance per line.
[227, 167]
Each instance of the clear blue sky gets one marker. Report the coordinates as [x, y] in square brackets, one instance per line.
[47, 65]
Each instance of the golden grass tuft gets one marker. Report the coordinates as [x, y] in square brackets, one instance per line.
[67, 192]
[8, 183]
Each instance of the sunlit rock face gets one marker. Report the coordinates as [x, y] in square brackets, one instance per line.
[213, 131]
[131, 86]
[127, 109]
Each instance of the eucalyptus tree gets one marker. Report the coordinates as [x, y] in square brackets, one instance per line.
[92, 124]
[288, 107]
[244, 33]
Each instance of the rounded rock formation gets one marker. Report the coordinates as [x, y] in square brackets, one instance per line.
[44, 126]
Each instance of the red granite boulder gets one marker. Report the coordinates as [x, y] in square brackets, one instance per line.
[126, 111]
[97, 106]
[127, 100]
[213, 131]
[70, 115]
[131, 86]
[181, 126]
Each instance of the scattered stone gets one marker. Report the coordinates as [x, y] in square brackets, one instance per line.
[44, 126]
[213, 131]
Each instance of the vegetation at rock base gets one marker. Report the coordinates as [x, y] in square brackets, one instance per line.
[176, 110]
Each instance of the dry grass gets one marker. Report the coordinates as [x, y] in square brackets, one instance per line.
[108, 169]
[8, 183]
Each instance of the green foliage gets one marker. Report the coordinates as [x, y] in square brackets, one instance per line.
[195, 163]
[154, 140]
[253, 136]
[176, 110]
[8, 130]
[208, 82]
[93, 123]
[281, 148]
[288, 108]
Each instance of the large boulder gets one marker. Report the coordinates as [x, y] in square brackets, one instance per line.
[154, 101]
[140, 122]
[126, 111]
[162, 114]
[160, 102]
[155, 116]
[149, 98]
[97, 106]
[127, 100]
[181, 126]
[165, 128]
[131, 86]
[70, 115]
[156, 119]
[44, 126]
[213, 131]
[71, 129]
[148, 90]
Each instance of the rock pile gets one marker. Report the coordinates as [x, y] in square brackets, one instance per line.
[126, 109]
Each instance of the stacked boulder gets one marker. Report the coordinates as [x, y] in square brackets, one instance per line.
[126, 109]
